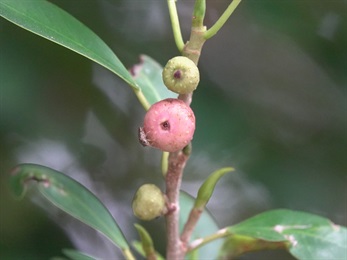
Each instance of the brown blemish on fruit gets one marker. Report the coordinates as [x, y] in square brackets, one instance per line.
[165, 125]
[177, 74]
[142, 137]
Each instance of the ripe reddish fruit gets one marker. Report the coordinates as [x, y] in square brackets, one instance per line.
[169, 125]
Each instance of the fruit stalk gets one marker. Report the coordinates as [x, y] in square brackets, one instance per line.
[192, 50]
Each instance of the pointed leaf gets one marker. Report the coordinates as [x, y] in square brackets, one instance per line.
[71, 197]
[147, 75]
[49, 21]
[309, 236]
[77, 255]
[146, 241]
[205, 226]
[207, 188]
[138, 247]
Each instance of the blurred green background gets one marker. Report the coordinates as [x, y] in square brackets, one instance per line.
[272, 103]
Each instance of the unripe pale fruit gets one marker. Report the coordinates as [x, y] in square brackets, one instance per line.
[181, 75]
[169, 125]
[148, 202]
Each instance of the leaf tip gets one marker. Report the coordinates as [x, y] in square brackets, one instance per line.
[136, 68]
[335, 227]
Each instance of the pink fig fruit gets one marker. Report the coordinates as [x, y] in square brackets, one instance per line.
[169, 125]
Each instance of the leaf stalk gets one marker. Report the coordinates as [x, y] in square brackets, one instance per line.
[221, 21]
[175, 24]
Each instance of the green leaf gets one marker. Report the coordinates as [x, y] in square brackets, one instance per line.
[207, 188]
[308, 236]
[71, 197]
[147, 75]
[49, 21]
[236, 245]
[77, 255]
[146, 241]
[138, 247]
[204, 227]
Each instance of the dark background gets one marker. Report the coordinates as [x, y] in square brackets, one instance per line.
[271, 103]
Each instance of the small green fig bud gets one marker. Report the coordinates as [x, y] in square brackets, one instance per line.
[181, 75]
[149, 202]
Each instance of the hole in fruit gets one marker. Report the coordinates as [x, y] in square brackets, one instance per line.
[177, 74]
[165, 126]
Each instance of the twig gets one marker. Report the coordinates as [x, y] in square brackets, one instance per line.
[177, 162]
[193, 218]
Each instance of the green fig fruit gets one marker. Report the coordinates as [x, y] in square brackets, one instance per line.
[181, 75]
